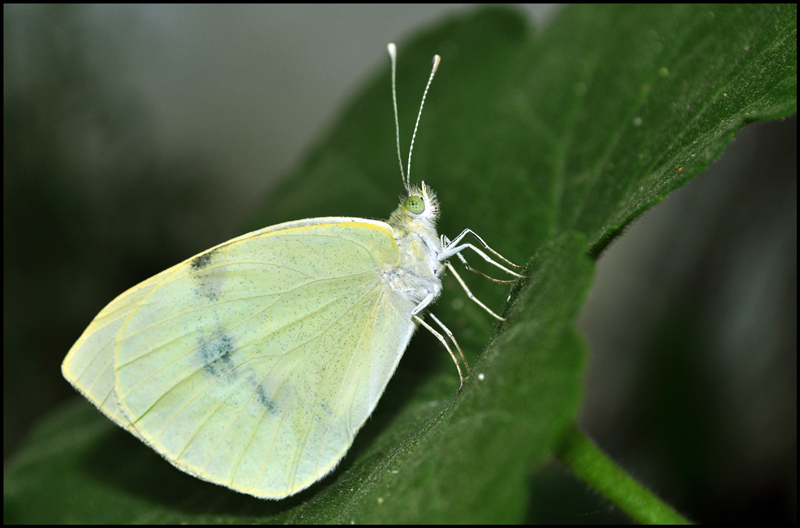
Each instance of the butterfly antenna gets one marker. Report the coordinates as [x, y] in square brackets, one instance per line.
[393, 56]
[436, 60]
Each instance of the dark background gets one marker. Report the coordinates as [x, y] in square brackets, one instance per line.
[135, 137]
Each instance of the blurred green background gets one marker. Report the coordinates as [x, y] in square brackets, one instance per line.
[135, 137]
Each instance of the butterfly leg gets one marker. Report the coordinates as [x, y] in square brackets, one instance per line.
[446, 242]
[470, 295]
[485, 276]
[452, 338]
[453, 249]
[441, 338]
[468, 231]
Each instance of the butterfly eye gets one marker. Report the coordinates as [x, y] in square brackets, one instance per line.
[414, 205]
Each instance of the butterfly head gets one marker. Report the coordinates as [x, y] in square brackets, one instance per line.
[418, 211]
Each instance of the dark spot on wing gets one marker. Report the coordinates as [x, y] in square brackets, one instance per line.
[215, 355]
[208, 281]
[203, 261]
[264, 400]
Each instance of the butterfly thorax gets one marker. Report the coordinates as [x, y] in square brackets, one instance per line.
[417, 274]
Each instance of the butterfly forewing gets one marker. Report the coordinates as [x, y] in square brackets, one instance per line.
[254, 364]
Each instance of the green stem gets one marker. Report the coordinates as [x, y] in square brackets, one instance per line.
[584, 458]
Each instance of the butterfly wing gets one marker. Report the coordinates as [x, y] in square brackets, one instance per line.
[254, 364]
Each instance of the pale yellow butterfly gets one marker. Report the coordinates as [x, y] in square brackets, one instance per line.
[254, 364]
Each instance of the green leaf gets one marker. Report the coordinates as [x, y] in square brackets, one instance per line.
[547, 146]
